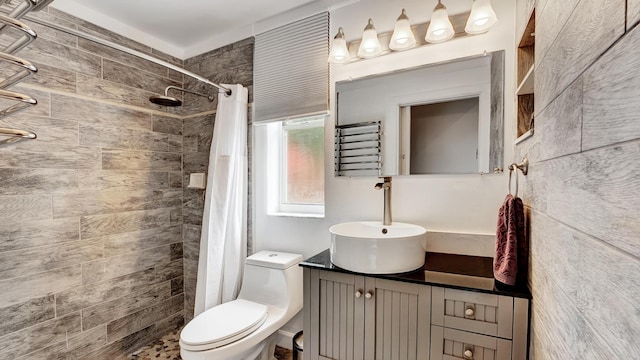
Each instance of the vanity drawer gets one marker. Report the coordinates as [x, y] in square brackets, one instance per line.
[450, 344]
[473, 311]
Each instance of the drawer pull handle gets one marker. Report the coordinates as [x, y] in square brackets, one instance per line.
[369, 295]
[469, 311]
[468, 354]
[358, 294]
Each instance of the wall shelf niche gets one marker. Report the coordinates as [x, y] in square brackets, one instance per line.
[526, 76]
[526, 85]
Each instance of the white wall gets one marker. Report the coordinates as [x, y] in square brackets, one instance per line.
[443, 132]
[455, 203]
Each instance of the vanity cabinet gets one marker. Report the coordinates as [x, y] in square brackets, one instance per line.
[449, 310]
[353, 317]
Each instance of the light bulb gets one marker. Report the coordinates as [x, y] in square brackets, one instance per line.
[481, 18]
[339, 53]
[370, 45]
[402, 38]
[440, 28]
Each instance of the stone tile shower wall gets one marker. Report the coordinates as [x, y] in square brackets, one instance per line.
[91, 212]
[231, 64]
[583, 187]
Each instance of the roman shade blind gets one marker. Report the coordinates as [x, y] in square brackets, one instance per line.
[291, 72]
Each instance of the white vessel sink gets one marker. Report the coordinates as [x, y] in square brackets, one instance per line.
[372, 248]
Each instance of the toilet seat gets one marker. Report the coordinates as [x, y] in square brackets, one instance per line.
[223, 324]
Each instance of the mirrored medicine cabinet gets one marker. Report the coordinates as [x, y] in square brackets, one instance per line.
[444, 118]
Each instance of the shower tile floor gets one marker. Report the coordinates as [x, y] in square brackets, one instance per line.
[169, 348]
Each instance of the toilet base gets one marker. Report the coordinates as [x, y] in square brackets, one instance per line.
[262, 351]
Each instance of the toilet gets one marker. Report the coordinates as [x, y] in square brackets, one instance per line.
[246, 328]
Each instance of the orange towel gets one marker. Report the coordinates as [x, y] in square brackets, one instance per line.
[512, 249]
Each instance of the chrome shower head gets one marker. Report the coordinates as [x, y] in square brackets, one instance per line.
[165, 100]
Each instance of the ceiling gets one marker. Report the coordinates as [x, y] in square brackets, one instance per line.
[185, 28]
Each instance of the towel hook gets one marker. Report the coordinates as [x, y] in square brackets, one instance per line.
[522, 166]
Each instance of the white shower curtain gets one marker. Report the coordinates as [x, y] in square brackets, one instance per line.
[223, 243]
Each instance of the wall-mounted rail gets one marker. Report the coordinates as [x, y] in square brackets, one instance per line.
[125, 49]
[358, 149]
[21, 35]
[25, 69]
[14, 135]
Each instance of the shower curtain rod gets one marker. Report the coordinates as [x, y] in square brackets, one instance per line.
[126, 50]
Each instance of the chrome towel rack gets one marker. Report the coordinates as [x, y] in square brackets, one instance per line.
[24, 101]
[358, 149]
[24, 7]
[22, 36]
[15, 135]
[523, 166]
[26, 69]
[26, 34]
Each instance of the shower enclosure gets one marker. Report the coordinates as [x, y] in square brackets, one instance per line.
[98, 237]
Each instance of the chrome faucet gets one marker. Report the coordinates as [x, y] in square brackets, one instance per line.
[386, 186]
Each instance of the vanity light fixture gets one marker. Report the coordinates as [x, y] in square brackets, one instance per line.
[339, 51]
[370, 46]
[402, 38]
[482, 17]
[440, 28]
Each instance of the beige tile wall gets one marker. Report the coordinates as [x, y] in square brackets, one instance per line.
[91, 257]
[583, 189]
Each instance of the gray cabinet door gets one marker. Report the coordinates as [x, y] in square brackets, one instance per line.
[333, 316]
[349, 317]
[397, 322]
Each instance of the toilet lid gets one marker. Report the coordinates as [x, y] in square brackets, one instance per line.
[224, 324]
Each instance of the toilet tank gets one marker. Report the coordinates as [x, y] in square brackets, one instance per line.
[273, 278]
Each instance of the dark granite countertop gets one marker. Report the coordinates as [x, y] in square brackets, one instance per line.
[474, 273]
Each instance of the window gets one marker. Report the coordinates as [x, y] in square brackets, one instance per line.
[291, 81]
[296, 167]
